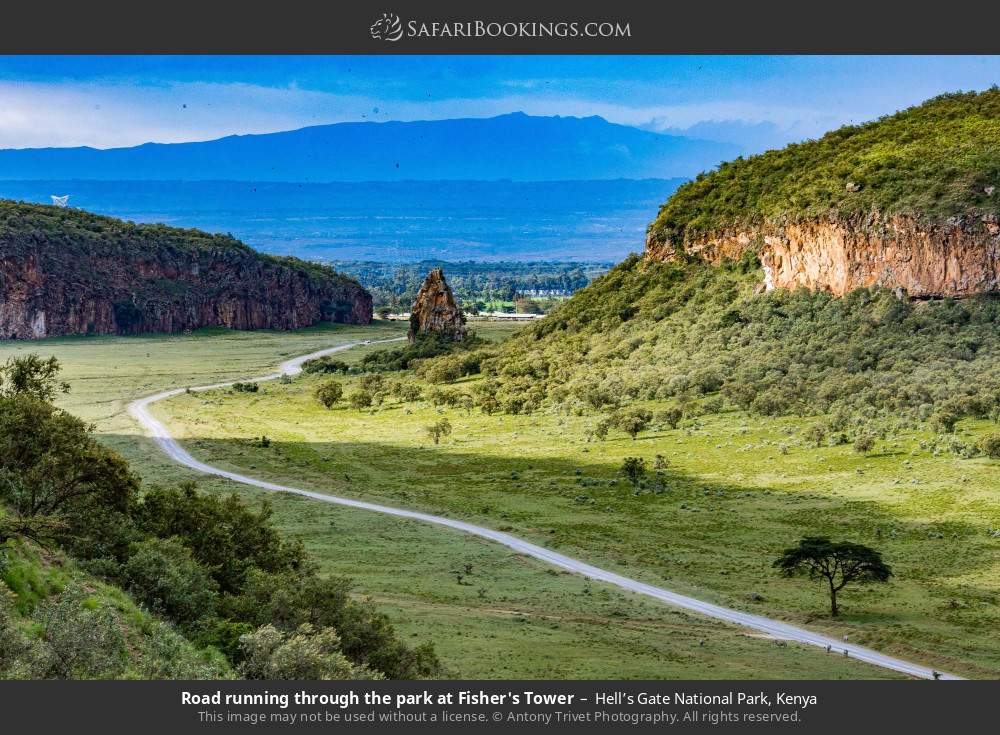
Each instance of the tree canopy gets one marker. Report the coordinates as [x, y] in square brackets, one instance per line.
[839, 563]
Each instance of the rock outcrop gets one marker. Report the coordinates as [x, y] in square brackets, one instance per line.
[956, 258]
[435, 310]
[67, 272]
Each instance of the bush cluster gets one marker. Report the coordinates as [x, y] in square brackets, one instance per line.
[213, 566]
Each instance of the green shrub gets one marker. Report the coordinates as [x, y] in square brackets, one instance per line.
[306, 654]
[360, 399]
[325, 364]
[224, 535]
[163, 574]
[632, 421]
[329, 393]
[989, 445]
[79, 640]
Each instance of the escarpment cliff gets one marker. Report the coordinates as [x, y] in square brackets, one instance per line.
[956, 258]
[907, 202]
[68, 272]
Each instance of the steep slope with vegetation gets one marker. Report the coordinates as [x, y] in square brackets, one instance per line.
[57, 621]
[64, 271]
[701, 337]
[688, 322]
[909, 201]
[221, 590]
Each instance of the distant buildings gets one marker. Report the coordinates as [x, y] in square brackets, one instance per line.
[483, 316]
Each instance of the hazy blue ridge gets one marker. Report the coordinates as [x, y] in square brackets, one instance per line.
[516, 146]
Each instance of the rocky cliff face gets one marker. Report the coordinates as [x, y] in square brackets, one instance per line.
[101, 276]
[957, 258]
[435, 310]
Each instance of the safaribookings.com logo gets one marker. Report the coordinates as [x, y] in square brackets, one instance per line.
[390, 28]
[387, 28]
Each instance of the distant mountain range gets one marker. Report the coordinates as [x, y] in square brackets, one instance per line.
[515, 147]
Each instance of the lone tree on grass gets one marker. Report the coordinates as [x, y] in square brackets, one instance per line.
[864, 443]
[634, 469]
[633, 421]
[437, 430]
[360, 399]
[671, 416]
[816, 434]
[329, 393]
[839, 563]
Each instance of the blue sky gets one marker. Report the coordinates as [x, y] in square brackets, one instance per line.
[755, 101]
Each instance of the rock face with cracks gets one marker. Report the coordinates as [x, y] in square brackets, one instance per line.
[955, 258]
[435, 310]
[65, 272]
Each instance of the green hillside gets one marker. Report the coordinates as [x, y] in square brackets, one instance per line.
[102, 577]
[700, 337]
[57, 621]
[80, 232]
[934, 161]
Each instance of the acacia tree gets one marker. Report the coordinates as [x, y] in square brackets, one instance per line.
[837, 562]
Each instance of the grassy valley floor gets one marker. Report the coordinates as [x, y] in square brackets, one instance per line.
[509, 616]
[739, 490]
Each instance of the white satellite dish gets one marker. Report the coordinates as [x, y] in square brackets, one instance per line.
[60, 201]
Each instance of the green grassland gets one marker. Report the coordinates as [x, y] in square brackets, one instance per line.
[509, 617]
[737, 491]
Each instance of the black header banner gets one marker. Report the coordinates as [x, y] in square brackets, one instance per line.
[510, 27]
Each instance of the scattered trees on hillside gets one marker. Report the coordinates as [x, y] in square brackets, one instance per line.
[700, 333]
[837, 563]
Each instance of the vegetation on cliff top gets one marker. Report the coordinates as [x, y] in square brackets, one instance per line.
[933, 161]
[75, 230]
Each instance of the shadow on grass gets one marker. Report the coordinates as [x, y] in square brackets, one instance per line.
[676, 527]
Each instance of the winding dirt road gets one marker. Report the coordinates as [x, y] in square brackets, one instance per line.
[139, 409]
